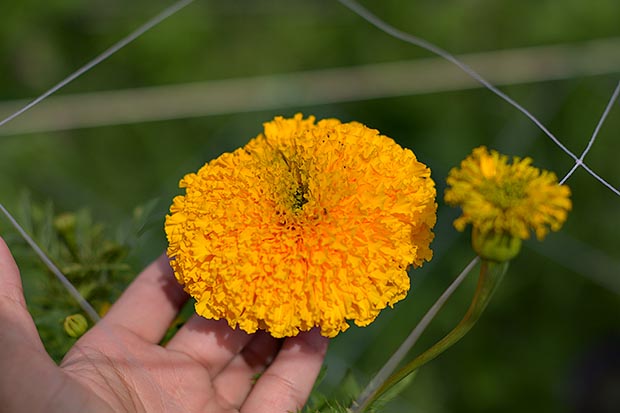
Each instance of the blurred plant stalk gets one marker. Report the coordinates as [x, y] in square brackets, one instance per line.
[317, 87]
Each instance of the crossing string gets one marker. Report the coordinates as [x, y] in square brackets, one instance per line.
[414, 40]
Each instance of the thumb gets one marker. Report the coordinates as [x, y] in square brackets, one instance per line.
[31, 373]
[16, 325]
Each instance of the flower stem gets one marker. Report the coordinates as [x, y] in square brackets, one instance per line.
[491, 275]
[370, 392]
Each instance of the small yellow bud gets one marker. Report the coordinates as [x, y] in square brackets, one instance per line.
[75, 325]
[65, 223]
[104, 308]
[494, 246]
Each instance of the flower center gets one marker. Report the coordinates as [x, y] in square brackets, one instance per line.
[293, 181]
[300, 196]
[504, 195]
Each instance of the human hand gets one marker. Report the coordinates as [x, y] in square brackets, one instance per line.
[118, 366]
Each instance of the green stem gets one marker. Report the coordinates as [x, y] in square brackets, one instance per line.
[369, 392]
[491, 275]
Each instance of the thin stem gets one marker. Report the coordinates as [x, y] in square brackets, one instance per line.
[369, 393]
[491, 275]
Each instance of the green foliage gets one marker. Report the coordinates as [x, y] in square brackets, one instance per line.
[328, 407]
[394, 391]
[335, 400]
[342, 397]
[95, 262]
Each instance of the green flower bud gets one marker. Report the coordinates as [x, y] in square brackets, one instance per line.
[65, 223]
[495, 246]
[75, 325]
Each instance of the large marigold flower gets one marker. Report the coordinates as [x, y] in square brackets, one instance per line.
[501, 198]
[307, 225]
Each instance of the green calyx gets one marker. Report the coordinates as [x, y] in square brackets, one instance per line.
[494, 246]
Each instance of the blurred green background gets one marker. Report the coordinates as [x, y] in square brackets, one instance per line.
[549, 341]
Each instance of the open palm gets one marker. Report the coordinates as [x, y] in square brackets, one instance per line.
[118, 366]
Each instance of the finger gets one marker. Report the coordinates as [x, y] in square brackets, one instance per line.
[211, 343]
[150, 303]
[16, 324]
[286, 384]
[24, 362]
[234, 382]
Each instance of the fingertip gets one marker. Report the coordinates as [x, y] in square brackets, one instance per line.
[3, 247]
[16, 323]
[5, 252]
[313, 340]
[10, 281]
[287, 383]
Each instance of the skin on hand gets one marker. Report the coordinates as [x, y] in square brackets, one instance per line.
[118, 366]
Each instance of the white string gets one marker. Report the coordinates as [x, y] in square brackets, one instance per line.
[411, 39]
[579, 162]
[103, 56]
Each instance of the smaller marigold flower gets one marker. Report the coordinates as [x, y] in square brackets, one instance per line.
[505, 202]
[308, 225]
